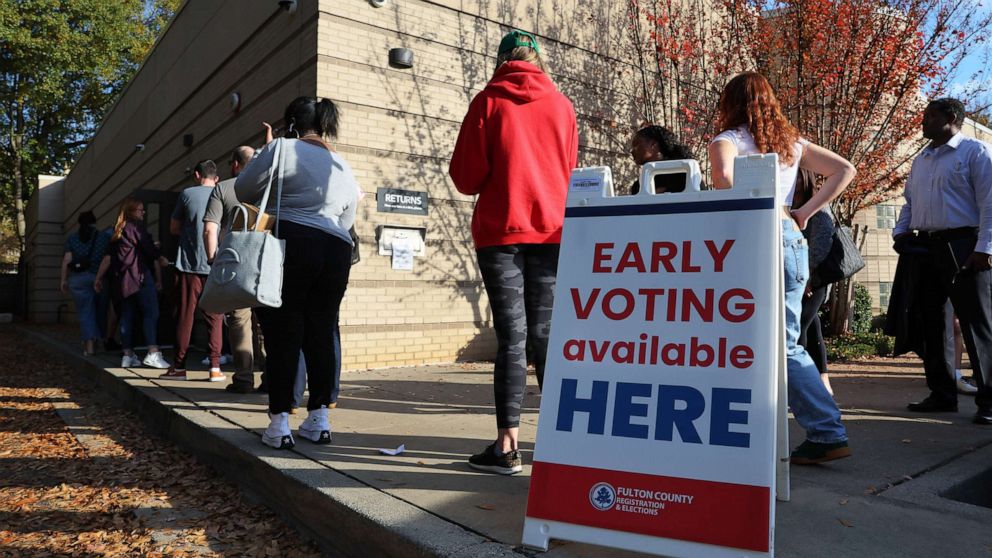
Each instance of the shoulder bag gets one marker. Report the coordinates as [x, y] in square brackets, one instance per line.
[843, 260]
[247, 271]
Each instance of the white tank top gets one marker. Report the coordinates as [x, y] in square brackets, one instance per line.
[741, 138]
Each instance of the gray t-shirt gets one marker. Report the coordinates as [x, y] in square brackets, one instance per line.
[319, 190]
[222, 201]
[192, 256]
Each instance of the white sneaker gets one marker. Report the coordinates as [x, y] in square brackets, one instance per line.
[155, 360]
[316, 428]
[224, 359]
[130, 361]
[965, 387]
[277, 435]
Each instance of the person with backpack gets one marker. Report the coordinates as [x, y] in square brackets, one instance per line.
[84, 250]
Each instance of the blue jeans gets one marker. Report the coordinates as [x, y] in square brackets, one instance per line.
[145, 301]
[812, 405]
[81, 287]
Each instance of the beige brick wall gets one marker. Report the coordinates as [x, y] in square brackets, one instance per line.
[398, 131]
[45, 245]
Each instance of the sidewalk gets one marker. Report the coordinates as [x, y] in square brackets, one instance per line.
[884, 501]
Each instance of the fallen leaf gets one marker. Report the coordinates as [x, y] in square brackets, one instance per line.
[487, 507]
[907, 441]
[843, 502]
[845, 523]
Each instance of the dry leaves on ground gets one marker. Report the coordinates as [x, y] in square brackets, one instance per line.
[116, 489]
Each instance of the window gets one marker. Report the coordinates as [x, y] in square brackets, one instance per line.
[885, 217]
[884, 290]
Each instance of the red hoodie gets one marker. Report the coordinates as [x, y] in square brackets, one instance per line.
[516, 150]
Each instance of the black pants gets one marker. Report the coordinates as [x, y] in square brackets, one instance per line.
[520, 282]
[315, 276]
[810, 330]
[971, 295]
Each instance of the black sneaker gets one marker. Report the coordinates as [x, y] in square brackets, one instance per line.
[507, 464]
[811, 453]
[239, 388]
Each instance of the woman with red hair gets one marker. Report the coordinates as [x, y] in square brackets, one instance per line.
[751, 122]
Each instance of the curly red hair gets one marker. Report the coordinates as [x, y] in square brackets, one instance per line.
[749, 100]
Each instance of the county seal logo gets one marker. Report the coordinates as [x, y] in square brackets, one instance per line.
[602, 496]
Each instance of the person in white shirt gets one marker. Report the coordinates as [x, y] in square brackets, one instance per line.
[751, 122]
[949, 211]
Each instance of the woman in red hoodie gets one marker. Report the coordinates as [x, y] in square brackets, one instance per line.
[516, 149]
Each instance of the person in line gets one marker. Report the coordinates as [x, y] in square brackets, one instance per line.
[516, 149]
[949, 206]
[657, 143]
[192, 270]
[84, 250]
[319, 198]
[819, 237]
[751, 122]
[135, 270]
[241, 323]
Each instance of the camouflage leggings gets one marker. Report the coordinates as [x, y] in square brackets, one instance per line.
[520, 282]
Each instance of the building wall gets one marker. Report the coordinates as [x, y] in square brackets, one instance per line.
[398, 131]
[45, 246]
[210, 50]
[880, 258]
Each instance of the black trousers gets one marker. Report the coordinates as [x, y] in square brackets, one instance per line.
[315, 276]
[971, 295]
[810, 330]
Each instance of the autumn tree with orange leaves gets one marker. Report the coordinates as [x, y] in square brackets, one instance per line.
[853, 75]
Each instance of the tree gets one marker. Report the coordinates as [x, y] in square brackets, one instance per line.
[62, 64]
[853, 75]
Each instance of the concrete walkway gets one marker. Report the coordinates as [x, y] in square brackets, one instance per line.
[890, 499]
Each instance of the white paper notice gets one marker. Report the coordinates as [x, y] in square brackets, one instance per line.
[402, 254]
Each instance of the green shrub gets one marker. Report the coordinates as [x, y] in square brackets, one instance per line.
[861, 321]
[859, 345]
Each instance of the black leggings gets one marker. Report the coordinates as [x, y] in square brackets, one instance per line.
[315, 276]
[520, 282]
[810, 330]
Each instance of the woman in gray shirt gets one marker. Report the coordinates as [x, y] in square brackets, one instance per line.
[316, 209]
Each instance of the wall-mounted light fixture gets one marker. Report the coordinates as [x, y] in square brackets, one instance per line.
[235, 101]
[401, 58]
[377, 3]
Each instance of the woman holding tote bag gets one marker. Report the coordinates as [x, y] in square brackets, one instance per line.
[315, 211]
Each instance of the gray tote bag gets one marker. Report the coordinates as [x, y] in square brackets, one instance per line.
[247, 271]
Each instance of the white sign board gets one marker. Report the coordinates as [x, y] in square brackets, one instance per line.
[658, 417]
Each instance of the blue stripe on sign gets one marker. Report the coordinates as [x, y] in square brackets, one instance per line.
[715, 206]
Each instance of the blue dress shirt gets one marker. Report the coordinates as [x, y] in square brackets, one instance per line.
[950, 187]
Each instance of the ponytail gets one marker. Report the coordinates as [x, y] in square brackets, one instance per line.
[327, 118]
[309, 114]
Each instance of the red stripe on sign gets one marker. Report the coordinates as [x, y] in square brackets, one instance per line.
[717, 513]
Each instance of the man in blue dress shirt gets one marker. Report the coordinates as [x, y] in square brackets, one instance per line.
[949, 210]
